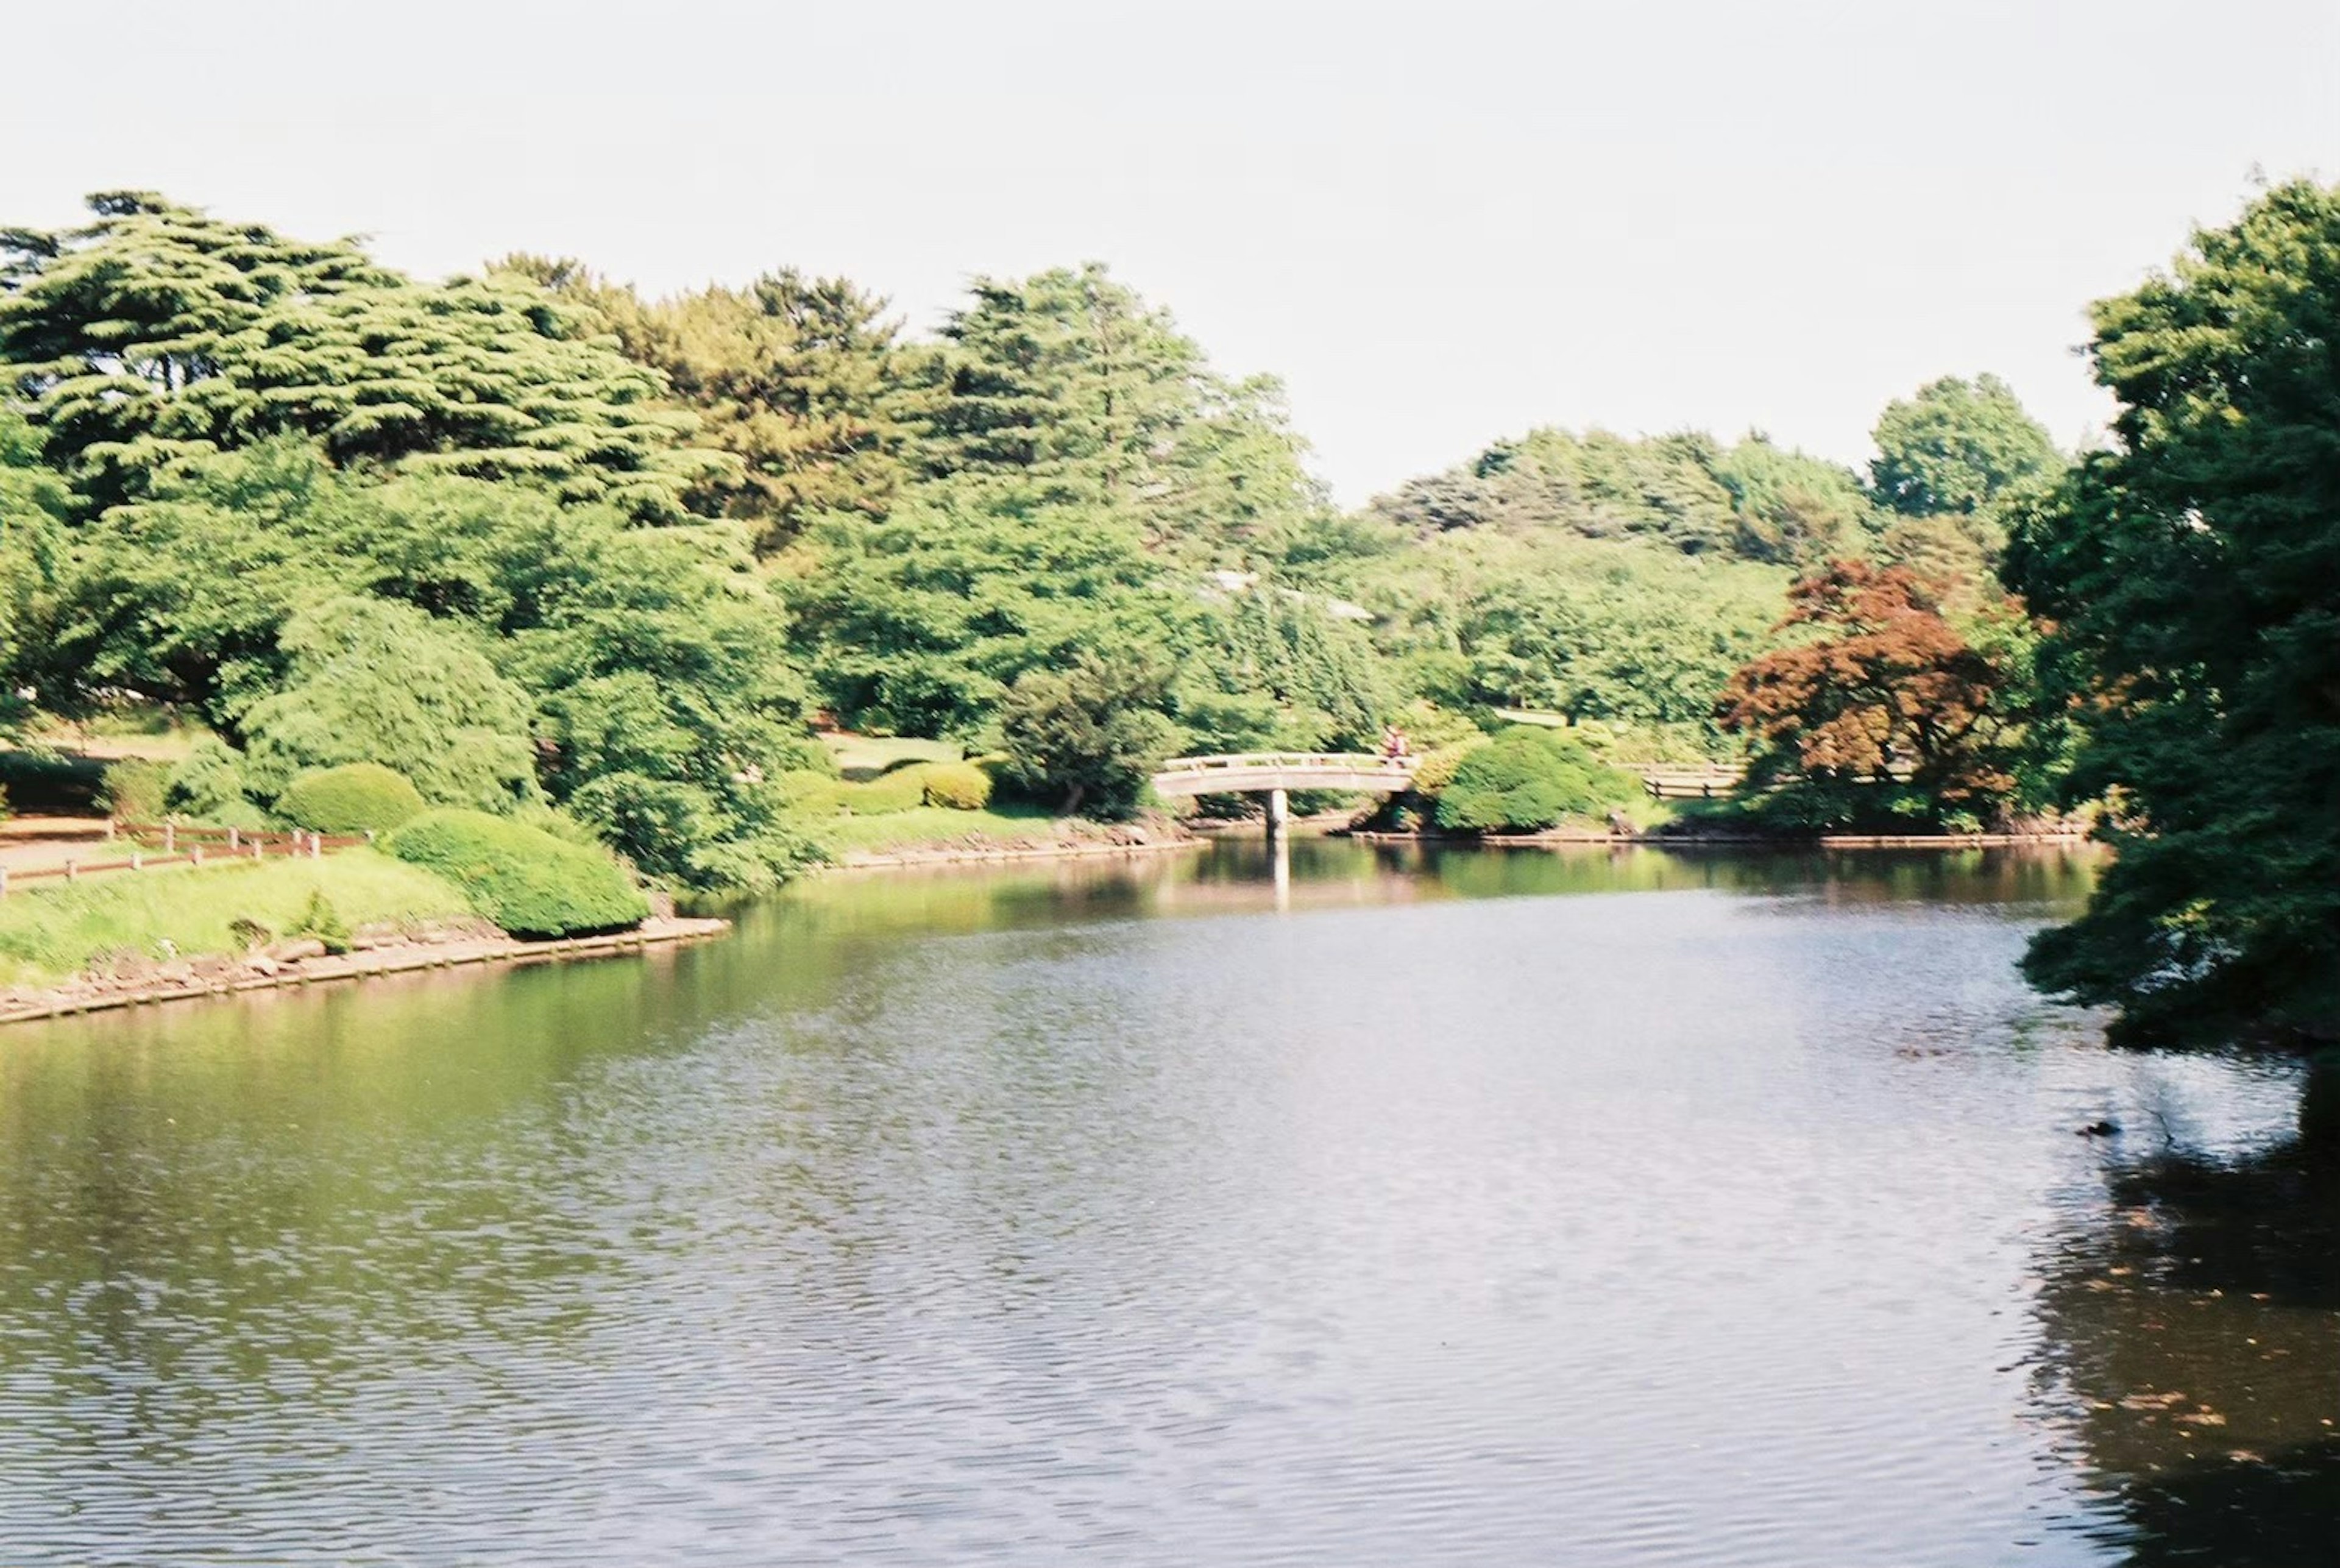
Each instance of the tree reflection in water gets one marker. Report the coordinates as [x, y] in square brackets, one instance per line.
[2195, 1338]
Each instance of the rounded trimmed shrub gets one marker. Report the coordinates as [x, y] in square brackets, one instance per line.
[1524, 779]
[355, 798]
[521, 878]
[883, 795]
[959, 786]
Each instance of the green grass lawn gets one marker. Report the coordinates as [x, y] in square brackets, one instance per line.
[862, 757]
[938, 825]
[50, 932]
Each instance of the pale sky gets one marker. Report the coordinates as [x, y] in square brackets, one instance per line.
[1439, 223]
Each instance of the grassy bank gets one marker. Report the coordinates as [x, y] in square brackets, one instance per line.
[50, 933]
[942, 827]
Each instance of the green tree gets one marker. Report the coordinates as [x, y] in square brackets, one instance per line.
[373, 680]
[34, 503]
[156, 334]
[1068, 381]
[1090, 734]
[919, 624]
[2192, 578]
[804, 381]
[1756, 501]
[1962, 450]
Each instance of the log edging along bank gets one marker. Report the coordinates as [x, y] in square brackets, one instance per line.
[403, 959]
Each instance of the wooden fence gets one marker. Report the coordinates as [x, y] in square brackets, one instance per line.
[186, 844]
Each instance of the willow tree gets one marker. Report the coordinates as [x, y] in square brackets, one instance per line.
[2192, 576]
[156, 334]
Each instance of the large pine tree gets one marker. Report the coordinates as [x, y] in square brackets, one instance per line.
[156, 334]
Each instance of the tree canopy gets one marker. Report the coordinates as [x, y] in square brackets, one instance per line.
[156, 334]
[1884, 713]
[2192, 578]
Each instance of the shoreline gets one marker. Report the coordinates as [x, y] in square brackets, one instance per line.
[236, 977]
[226, 976]
[1732, 840]
[945, 852]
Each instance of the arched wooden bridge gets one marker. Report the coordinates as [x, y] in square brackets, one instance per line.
[1276, 773]
[1250, 771]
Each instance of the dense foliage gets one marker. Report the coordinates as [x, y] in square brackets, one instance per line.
[355, 798]
[1883, 714]
[2192, 578]
[1089, 736]
[1528, 779]
[523, 878]
[532, 539]
[155, 333]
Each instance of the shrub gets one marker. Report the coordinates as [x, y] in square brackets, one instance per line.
[1436, 769]
[961, 786]
[1526, 779]
[902, 791]
[356, 798]
[208, 785]
[133, 789]
[320, 919]
[521, 878]
[3, 803]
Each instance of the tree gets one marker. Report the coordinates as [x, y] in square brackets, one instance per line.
[917, 624]
[803, 380]
[374, 681]
[1963, 449]
[655, 687]
[156, 334]
[2192, 578]
[1092, 734]
[1070, 382]
[1884, 712]
[34, 503]
[1755, 500]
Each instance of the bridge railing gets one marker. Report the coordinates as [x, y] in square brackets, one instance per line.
[1291, 762]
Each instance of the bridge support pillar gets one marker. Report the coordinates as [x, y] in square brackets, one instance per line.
[1279, 812]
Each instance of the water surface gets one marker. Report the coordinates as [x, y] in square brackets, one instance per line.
[1501, 1208]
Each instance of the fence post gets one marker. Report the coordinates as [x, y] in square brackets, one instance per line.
[137, 861]
[170, 835]
[3, 881]
[73, 870]
[316, 846]
[195, 855]
[110, 824]
[235, 839]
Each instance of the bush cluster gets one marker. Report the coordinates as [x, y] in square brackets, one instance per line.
[961, 786]
[958, 785]
[133, 789]
[523, 879]
[355, 798]
[1525, 779]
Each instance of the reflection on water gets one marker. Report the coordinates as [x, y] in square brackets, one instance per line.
[1603, 1207]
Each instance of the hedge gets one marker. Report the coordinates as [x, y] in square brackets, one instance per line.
[961, 786]
[521, 878]
[355, 798]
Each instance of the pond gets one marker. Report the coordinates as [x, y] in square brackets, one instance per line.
[1593, 1207]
